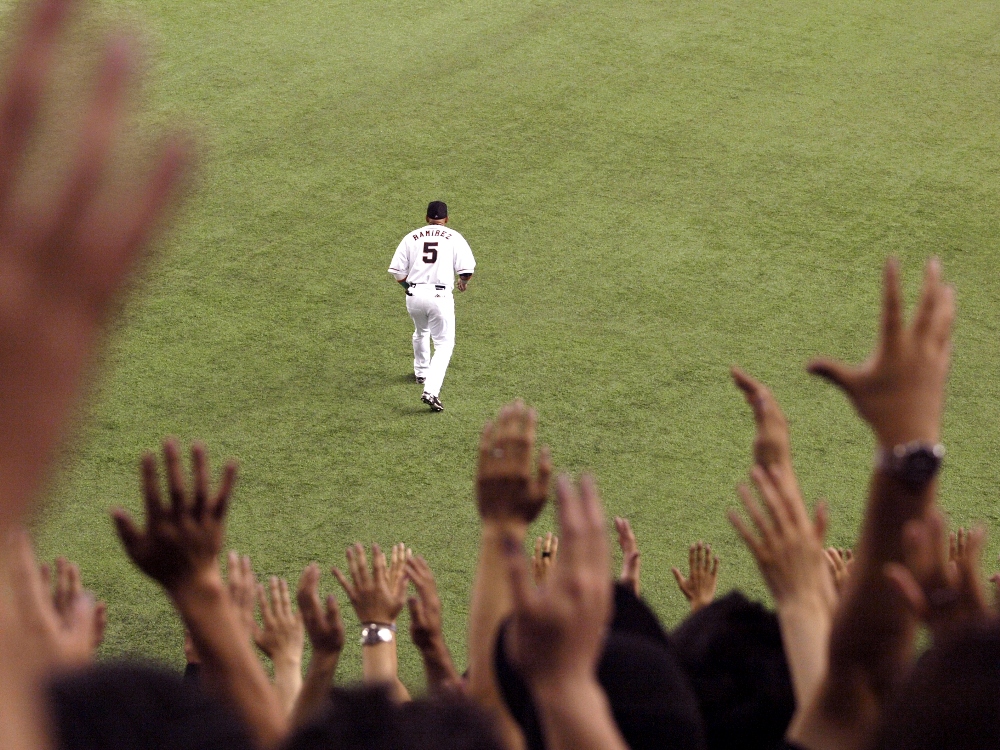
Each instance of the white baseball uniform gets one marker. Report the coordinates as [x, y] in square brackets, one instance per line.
[429, 258]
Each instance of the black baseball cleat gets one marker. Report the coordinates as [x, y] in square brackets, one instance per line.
[432, 401]
[419, 379]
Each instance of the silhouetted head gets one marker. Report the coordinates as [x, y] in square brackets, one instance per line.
[126, 706]
[652, 702]
[951, 700]
[368, 719]
[732, 652]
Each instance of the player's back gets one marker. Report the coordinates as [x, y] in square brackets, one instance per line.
[433, 255]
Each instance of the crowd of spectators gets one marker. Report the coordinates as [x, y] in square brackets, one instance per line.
[560, 654]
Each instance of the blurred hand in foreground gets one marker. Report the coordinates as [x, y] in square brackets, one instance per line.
[65, 253]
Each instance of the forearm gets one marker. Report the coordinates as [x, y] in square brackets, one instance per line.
[805, 634]
[492, 602]
[874, 626]
[873, 632]
[228, 659]
[576, 715]
[315, 687]
[287, 681]
[379, 666]
[439, 667]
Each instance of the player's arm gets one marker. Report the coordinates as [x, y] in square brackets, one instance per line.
[463, 281]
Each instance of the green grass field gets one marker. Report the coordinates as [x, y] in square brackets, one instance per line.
[653, 190]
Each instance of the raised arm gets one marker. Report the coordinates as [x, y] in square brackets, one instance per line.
[557, 630]
[282, 638]
[787, 544]
[899, 391]
[377, 600]
[179, 549]
[510, 496]
[427, 631]
[326, 634]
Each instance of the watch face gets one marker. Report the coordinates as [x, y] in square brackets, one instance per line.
[920, 466]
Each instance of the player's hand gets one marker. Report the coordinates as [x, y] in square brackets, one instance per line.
[703, 576]
[546, 553]
[65, 252]
[899, 390]
[557, 631]
[941, 593]
[181, 543]
[462, 285]
[507, 489]
[375, 599]
[323, 623]
[631, 559]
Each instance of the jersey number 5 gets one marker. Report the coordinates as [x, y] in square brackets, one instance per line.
[430, 252]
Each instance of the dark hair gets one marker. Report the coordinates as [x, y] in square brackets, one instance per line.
[652, 702]
[124, 706]
[951, 699]
[368, 719]
[732, 652]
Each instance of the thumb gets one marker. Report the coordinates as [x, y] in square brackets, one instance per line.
[679, 577]
[836, 372]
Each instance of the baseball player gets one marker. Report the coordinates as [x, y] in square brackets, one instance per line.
[425, 264]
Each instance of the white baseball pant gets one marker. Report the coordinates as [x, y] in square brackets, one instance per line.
[433, 315]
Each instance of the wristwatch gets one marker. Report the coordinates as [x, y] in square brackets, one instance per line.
[375, 633]
[914, 464]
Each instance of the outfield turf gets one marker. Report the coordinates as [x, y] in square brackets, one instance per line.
[653, 191]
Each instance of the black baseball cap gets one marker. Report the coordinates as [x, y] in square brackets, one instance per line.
[437, 210]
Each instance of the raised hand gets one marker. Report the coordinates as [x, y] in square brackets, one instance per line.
[426, 628]
[506, 487]
[63, 624]
[557, 630]
[942, 593]
[66, 253]
[699, 587]
[788, 544]
[374, 597]
[397, 563]
[66, 596]
[327, 636]
[182, 541]
[772, 445]
[323, 623]
[242, 585]
[282, 638]
[282, 635]
[899, 390]
[546, 552]
[840, 565]
[788, 549]
[631, 561]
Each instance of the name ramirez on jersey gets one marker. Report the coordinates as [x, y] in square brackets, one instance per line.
[432, 255]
